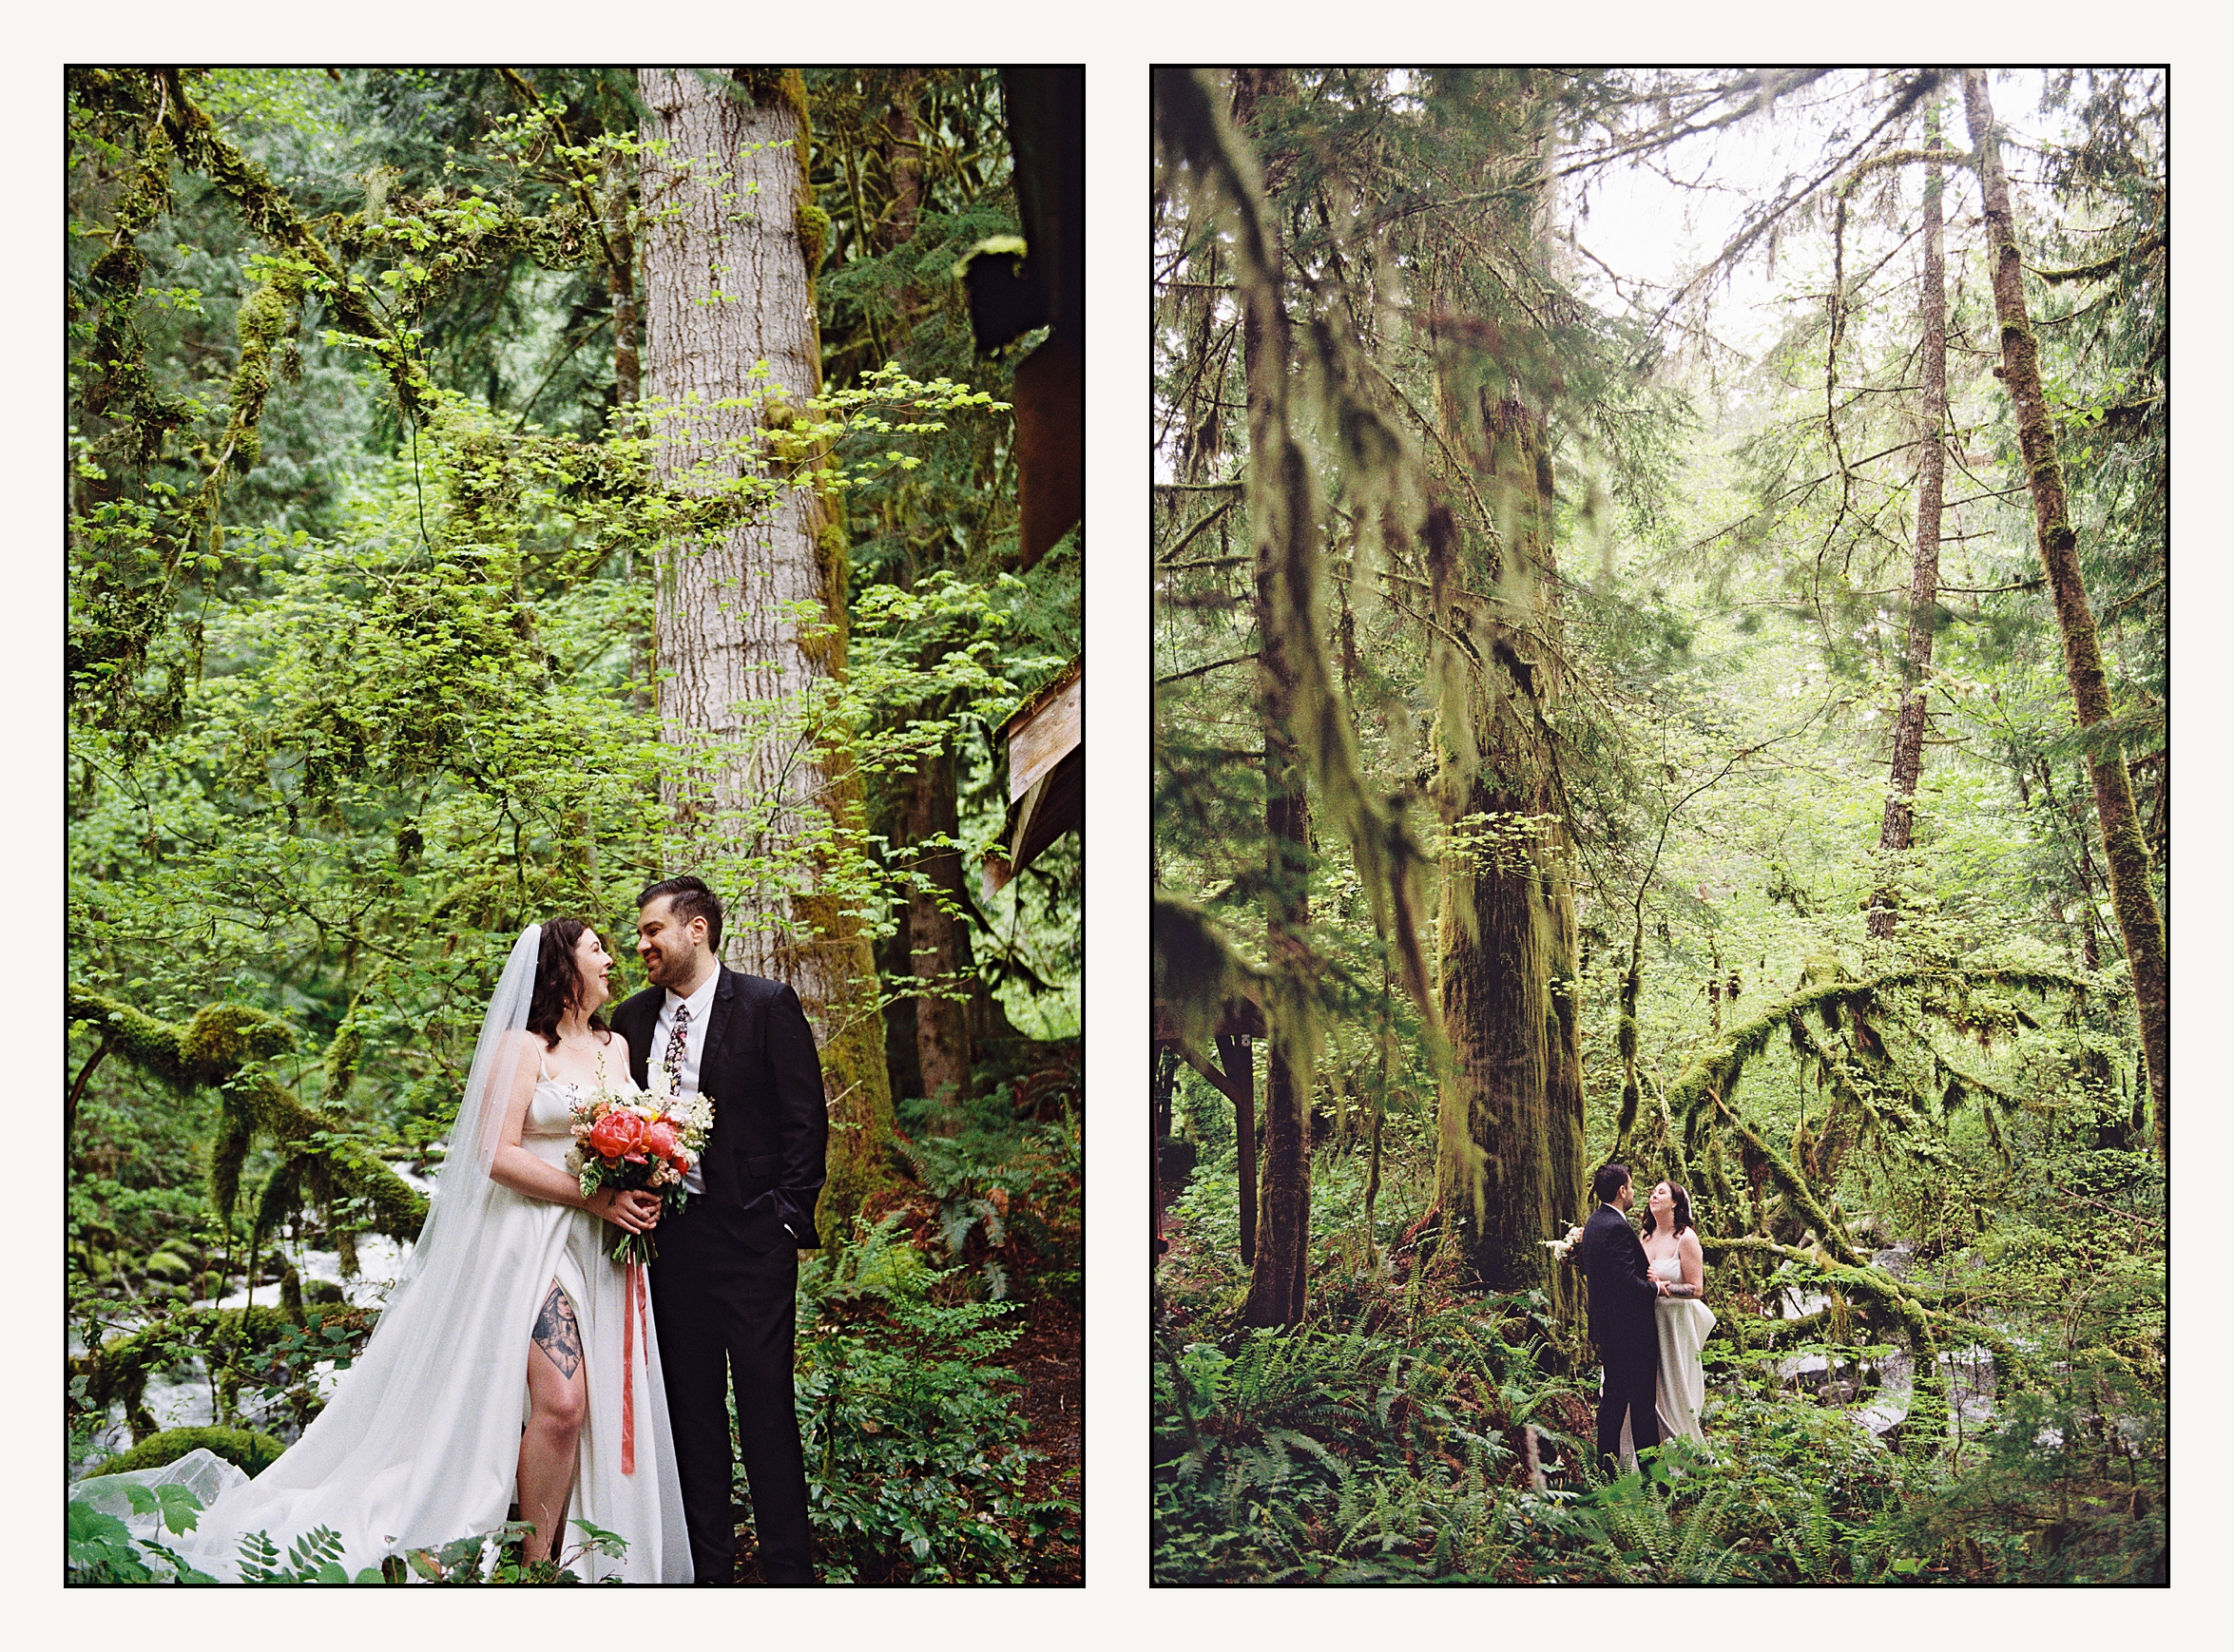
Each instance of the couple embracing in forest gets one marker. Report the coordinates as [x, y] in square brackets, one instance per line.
[1646, 1315]
[516, 1362]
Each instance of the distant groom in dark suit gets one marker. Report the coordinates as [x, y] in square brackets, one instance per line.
[1624, 1298]
[723, 1282]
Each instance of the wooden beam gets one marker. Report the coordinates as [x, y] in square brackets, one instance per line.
[1050, 725]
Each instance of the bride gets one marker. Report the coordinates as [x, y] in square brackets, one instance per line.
[1679, 1266]
[502, 1367]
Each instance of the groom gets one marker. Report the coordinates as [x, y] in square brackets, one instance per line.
[727, 1270]
[1622, 1298]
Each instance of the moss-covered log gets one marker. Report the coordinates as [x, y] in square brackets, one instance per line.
[219, 1050]
[1910, 1306]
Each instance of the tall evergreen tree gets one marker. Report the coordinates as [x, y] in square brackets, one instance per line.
[752, 617]
[2124, 847]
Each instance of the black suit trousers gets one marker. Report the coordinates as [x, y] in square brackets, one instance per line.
[726, 1310]
[1630, 1372]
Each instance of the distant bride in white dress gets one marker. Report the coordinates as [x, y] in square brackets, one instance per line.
[1671, 1249]
[499, 1370]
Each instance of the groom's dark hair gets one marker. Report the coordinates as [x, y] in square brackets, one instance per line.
[1609, 1181]
[689, 897]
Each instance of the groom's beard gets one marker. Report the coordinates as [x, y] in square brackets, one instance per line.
[664, 968]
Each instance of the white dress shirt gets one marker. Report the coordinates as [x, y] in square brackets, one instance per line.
[694, 1049]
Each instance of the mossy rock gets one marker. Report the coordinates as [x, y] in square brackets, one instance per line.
[245, 1448]
[170, 1267]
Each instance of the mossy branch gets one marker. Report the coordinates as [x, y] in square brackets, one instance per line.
[220, 1049]
[266, 208]
[1798, 1195]
[1715, 1071]
[118, 1371]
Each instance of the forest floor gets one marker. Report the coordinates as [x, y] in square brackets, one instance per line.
[1049, 1358]
[1050, 1363]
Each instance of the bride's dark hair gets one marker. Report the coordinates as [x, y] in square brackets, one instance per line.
[1678, 1219]
[558, 981]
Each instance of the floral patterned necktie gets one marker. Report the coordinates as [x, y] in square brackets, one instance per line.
[678, 1042]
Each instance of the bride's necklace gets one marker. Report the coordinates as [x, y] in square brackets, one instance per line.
[586, 1045]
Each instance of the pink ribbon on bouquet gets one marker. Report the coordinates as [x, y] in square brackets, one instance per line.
[632, 1308]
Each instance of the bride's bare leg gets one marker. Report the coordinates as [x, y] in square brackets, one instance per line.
[559, 1389]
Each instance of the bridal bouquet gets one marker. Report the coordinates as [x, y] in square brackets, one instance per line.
[637, 1142]
[1559, 1247]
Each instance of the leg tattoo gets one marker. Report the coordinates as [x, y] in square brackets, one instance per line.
[557, 1333]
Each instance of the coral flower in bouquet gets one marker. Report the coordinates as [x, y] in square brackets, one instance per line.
[643, 1141]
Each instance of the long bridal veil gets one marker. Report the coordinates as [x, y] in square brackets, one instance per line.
[421, 1441]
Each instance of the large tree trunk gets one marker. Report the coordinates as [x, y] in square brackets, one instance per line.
[730, 242]
[2123, 846]
[1923, 585]
[1286, 529]
[1280, 1268]
[1509, 1167]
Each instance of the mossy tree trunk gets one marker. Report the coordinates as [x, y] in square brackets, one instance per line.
[1286, 529]
[2124, 848]
[1509, 1167]
[938, 951]
[1280, 1267]
[1923, 585]
[731, 244]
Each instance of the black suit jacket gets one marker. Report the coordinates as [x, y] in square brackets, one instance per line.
[764, 1161]
[1623, 1297]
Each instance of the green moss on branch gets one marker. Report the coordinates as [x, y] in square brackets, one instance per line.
[220, 1049]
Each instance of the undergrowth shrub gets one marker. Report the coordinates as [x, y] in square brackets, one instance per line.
[915, 1468]
[1008, 1193]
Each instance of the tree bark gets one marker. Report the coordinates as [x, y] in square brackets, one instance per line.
[1509, 1165]
[904, 155]
[1240, 1066]
[1280, 1267]
[1923, 585]
[2124, 848]
[1279, 1271]
[729, 247]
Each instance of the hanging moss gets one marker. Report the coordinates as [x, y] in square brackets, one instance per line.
[267, 209]
[266, 325]
[213, 1051]
[1799, 1197]
[228, 1152]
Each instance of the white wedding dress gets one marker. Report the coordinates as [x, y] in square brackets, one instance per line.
[1679, 1388]
[420, 1445]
